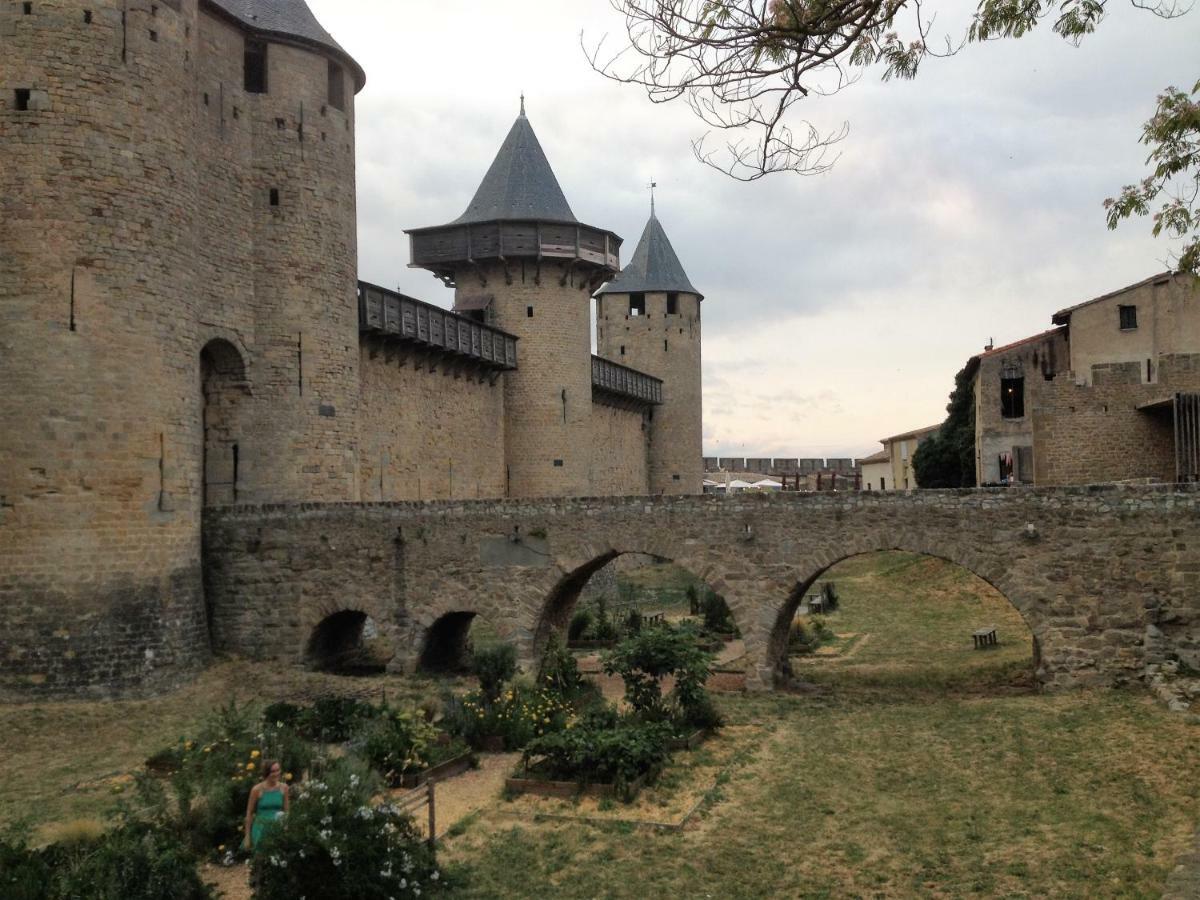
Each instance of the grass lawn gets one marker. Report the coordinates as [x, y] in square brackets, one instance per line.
[911, 766]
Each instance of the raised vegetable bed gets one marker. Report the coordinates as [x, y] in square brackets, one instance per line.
[443, 770]
[568, 789]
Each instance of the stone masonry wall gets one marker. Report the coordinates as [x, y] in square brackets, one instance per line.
[137, 226]
[1106, 578]
[431, 430]
[618, 452]
[1095, 433]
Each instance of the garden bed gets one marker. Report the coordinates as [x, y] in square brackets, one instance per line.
[446, 769]
[591, 645]
[690, 741]
[567, 789]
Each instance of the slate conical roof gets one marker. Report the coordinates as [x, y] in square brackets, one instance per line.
[290, 20]
[519, 184]
[654, 266]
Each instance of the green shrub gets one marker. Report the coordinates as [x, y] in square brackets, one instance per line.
[24, 873]
[494, 666]
[633, 622]
[806, 637]
[643, 659]
[283, 715]
[334, 719]
[336, 844]
[559, 675]
[693, 599]
[135, 861]
[718, 619]
[616, 755]
[581, 623]
[398, 742]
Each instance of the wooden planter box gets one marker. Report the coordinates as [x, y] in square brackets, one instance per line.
[591, 645]
[689, 741]
[441, 771]
[568, 789]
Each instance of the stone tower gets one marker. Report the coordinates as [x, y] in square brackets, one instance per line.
[648, 317]
[520, 260]
[178, 319]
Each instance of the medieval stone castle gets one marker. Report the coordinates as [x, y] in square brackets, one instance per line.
[181, 326]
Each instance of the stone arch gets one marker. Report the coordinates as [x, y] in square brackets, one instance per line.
[446, 644]
[339, 643]
[223, 385]
[558, 604]
[992, 573]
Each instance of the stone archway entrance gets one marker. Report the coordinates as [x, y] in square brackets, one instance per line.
[223, 384]
[345, 643]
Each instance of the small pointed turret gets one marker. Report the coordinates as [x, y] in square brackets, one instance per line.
[518, 213]
[653, 267]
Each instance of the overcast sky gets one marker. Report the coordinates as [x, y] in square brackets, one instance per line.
[965, 205]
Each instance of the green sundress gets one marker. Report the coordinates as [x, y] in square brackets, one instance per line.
[266, 813]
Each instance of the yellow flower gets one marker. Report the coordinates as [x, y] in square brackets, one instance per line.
[187, 745]
[254, 754]
[208, 749]
[220, 847]
[249, 767]
[287, 776]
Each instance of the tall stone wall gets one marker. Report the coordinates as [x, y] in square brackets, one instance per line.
[1106, 578]
[431, 430]
[666, 345]
[1084, 434]
[618, 451]
[138, 227]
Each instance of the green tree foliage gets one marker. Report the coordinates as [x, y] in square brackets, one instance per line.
[742, 65]
[946, 458]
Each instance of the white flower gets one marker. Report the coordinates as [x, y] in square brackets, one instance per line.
[434, 876]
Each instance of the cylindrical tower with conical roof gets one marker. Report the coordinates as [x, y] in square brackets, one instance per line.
[648, 317]
[520, 259]
[178, 320]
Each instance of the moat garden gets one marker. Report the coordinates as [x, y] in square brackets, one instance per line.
[900, 762]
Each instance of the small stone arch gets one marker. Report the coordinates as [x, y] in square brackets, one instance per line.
[223, 386]
[993, 575]
[447, 643]
[342, 643]
[558, 605]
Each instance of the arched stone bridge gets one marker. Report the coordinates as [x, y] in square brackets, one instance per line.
[1105, 577]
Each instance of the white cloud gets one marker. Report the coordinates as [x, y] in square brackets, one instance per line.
[965, 205]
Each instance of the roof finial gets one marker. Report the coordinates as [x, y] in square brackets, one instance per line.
[522, 103]
[653, 184]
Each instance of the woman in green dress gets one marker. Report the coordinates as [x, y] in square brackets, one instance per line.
[267, 804]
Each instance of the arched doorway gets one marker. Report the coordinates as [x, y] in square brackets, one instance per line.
[899, 620]
[347, 643]
[450, 640]
[222, 386]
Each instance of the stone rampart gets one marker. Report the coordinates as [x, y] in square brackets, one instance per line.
[1106, 577]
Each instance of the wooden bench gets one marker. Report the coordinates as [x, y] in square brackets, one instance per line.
[985, 637]
[816, 603]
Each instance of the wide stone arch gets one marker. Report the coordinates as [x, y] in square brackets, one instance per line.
[578, 561]
[768, 657]
[324, 629]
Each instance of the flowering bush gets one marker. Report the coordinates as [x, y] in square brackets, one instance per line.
[519, 714]
[336, 843]
[399, 742]
[212, 775]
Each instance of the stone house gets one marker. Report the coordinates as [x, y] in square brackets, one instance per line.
[1108, 394]
[891, 469]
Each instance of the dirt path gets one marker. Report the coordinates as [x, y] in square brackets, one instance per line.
[460, 796]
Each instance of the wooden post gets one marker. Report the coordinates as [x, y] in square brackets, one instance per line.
[432, 818]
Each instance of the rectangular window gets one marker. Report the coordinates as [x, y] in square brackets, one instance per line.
[255, 67]
[637, 304]
[337, 86]
[529, 312]
[558, 463]
[1128, 316]
[672, 304]
[622, 349]
[274, 196]
[904, 450]
[1012, 397]
[21, 99]
[883, 484]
